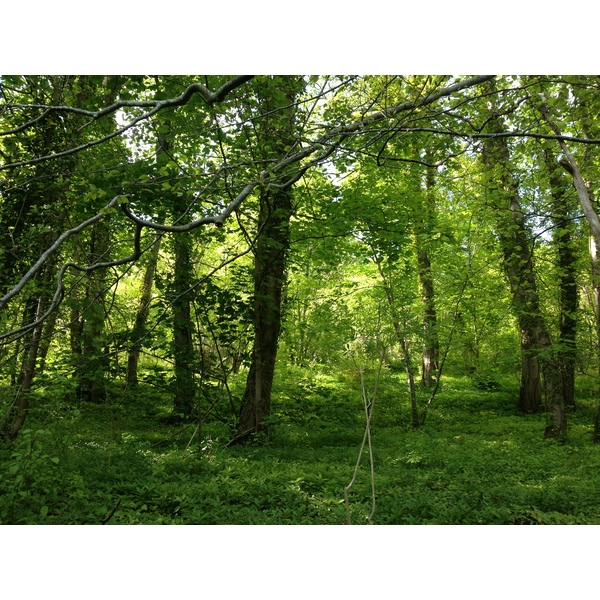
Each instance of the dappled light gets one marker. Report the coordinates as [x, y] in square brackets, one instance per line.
[299, 299]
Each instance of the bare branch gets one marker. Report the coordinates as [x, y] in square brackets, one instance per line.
[327, 141]
[410, 105]
[503, 134]
[570, 165]
[218, 220]
[195, 88]
[344, 131]
[59, 293]
[57, 244]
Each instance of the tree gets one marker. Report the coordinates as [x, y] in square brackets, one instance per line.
[275, 139]
[517, 253]
[30, 219]
[431, 349]
[563, 242]
[138, 331]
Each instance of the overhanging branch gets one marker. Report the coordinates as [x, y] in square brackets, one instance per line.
[217, 220]
[55, 246]
[570, 165]
[158, 105]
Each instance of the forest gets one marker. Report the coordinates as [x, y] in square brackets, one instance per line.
[299, 299]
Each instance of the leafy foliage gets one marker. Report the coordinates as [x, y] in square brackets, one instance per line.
[429, 219]
[478, 461]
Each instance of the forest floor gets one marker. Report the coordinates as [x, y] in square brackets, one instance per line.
[476, 461]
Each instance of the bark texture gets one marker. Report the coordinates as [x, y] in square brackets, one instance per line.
[141, 317]
[184, 393]
[538, 353]
[269, 277]
[595, 256]
[17, 414]
[563, 240]
[94, 361]
[431, 348]
[275, 137]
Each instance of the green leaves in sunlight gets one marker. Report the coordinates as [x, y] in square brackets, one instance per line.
[477, 462]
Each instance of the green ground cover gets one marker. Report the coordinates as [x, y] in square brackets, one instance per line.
[476, 461]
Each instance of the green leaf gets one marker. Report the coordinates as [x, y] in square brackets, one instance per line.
[43, 511]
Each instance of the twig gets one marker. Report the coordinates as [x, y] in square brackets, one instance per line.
[569, 164]
[441, 368]
[111, 513]
[171, 436]
[366, 438]
[193, 436]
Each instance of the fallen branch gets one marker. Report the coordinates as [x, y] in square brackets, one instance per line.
[111, 513]
[171, 436]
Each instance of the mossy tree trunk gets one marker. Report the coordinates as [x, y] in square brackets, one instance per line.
[563, 241]
[431, 349]
[141, 316]
[537, 351]
[275, 137]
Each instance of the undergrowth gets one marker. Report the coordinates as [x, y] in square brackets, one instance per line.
[476, 461]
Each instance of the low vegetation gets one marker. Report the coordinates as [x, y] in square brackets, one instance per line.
[476, 461]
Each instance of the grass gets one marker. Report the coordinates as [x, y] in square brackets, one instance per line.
[476, 461]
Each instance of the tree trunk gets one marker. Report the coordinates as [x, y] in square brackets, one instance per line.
[184, 392]
[596, 284]
[563, 234]
[400, 336]
[586, 201]
[431, 350]
[430, 358]
[269, 277]
[29, 218]
[15, 419]
[538, 354]
[94, 363]
[46, 340]
[275, 137]
[139, 327]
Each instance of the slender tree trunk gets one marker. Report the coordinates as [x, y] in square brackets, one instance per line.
[141, 316]
[46, 340]
[15, 419]
[594, 254]
[400, 336]
[563, 233]
[584, 194]
[184, 392]
[21, 407]
[430, 357]
[596, 285]
[25, 208]
[75, 332]
[431, 350]
[94, 362]
[14, 369]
